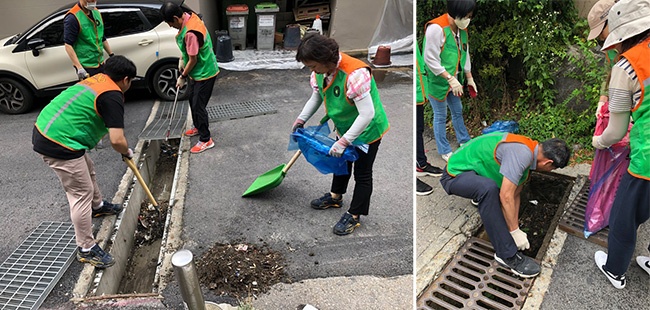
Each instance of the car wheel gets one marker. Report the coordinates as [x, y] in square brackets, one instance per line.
[15, 98]
[164, 82]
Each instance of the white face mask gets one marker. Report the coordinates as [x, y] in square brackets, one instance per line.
[91, 5]
[462, 23]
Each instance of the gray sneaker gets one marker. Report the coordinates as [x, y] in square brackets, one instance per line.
[521, 265]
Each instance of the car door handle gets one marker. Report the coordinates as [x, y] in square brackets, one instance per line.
[145, 42]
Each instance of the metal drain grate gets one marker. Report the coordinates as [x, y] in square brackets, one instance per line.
[474, 280]
[223, 112]
[157, 129]
[573, 220]
[28, 275]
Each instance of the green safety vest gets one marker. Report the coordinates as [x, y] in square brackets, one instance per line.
[342, 111]
[89, 46]
[452, 58]
[480, 155]
[71, 119]
[206, 66]
[640, 133]
[420, 91]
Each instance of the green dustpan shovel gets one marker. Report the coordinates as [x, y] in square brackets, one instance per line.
[271, 178]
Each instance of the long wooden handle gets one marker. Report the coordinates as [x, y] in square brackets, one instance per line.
[290, 163]
[131, 165]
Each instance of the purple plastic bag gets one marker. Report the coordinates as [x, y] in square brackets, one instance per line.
[606, 172]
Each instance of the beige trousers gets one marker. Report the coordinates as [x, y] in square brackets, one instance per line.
[78, 179]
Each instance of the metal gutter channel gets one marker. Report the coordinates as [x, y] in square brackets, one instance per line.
[573, 220]
[474, 280]
[224, 112]
[29, 274]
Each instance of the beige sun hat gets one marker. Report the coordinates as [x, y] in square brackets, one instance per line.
[597, 17]
[626, 19]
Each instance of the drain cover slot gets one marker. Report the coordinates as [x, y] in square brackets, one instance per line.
[474, 280]
[573, 220]
[230, 111]
[157, 129]
[28, 275]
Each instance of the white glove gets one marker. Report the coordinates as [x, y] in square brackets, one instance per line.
[470, 83]
[180, 82]
[600, 106]
[339, 147]
[521, 239]
[456, 88]
[595, 142]
[129, 154]
[82, 74]
[181, 64]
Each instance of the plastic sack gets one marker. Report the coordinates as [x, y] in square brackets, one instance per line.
[502, 126]
[315, 144]
[607, 169]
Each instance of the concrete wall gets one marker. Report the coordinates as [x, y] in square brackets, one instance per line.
[584, 6]
[353, 23]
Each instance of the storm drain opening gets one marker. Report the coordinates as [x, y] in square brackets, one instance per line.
[228, 111]
[474, 280]
[573, 220]
[139, 238]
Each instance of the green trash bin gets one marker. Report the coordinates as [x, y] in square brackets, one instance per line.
[266, 25]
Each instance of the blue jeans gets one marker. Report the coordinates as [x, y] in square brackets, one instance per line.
[440, 121]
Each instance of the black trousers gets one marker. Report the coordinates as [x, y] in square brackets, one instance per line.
[420, 157]
[199, 93]
[486, 192]
[93, 71]
[362, 178]
[631, 208]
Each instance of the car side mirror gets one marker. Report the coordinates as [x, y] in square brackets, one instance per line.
[35, 45]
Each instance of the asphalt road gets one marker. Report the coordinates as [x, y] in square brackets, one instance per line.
[214, 210]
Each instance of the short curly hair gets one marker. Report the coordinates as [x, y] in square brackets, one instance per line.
[318, 48]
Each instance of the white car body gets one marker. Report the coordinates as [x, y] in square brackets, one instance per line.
[27, 72]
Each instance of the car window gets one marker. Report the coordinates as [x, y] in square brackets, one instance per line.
[121, 23]
[153, 15]
[52, 34]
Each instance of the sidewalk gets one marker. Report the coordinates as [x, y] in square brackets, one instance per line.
[569, 278]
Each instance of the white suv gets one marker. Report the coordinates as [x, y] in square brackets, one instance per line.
[34, 63]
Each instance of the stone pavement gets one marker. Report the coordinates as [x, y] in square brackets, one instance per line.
[569, 278]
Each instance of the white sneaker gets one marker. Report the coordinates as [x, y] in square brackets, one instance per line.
[445, 157]
[644, 263]
[601, 259]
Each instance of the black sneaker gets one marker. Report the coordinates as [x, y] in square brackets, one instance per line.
[107, 209]
[474, 202]
[422, 189]
[346, 225]
[520, 265]
[428, 170]
[96, 257]
[326, 202]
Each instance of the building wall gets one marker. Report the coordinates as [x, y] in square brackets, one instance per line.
[353, 23]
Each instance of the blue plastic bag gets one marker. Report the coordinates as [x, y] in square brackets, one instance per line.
[315, 144]
[502, 126]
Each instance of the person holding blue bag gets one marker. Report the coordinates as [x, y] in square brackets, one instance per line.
[347, 89]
